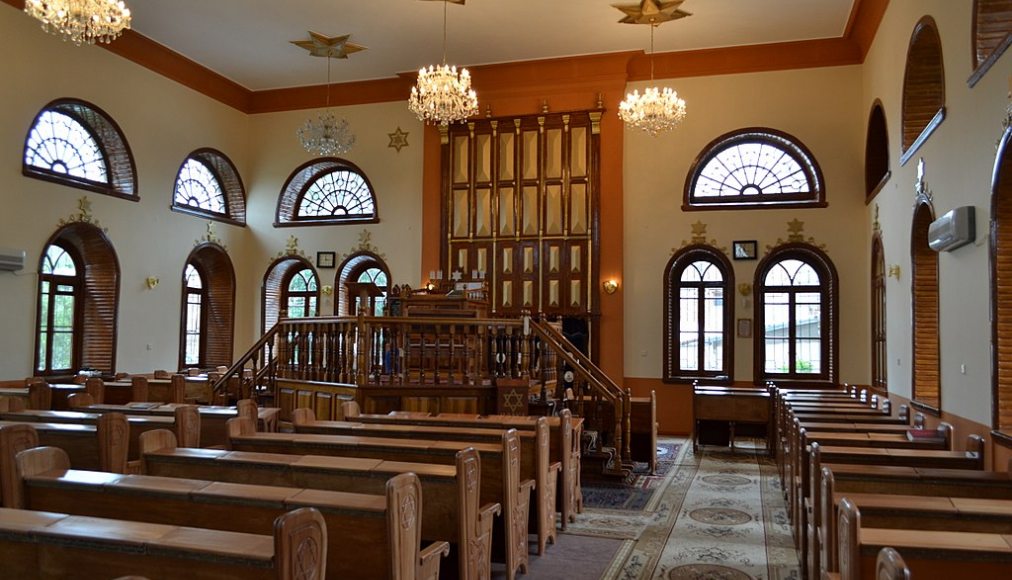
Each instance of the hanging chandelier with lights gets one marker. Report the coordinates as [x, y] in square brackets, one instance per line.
[658, 109]
[442, 95]
[81, 21]
[326, 135]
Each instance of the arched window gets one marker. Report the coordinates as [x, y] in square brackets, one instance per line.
[208, 185]
[362, 267]
[796, 316]
[698, 314]
[992, 34]
[876, 153]
[59, 286]
[208, 307]
[324, 192]
[927, 390]
[75, 143]
[301, 294]
[287, 278]
[923, 88]
[756, 168]
[879, 354]
[1001, 286]
[78, 299]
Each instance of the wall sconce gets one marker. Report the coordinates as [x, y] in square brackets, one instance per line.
[327, 290]
[610, 286]
[151, 282]
[744, 289]
[894, 271]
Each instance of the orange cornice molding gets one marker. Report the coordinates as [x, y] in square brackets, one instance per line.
[529, 78]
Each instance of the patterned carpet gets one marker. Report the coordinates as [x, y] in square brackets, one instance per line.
[715, 515]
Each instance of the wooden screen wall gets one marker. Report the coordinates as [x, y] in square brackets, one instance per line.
[879, 352]
[923, 87]
[926, 363]
[521, 204]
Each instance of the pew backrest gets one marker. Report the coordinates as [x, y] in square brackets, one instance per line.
[13, 440]
[889, 565]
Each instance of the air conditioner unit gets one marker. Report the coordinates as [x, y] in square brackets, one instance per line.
[952, 230]
[11, 260]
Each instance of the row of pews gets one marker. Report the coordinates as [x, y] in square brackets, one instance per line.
[872, 493]
[131, 488]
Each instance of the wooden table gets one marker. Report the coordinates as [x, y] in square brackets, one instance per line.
[734, 405]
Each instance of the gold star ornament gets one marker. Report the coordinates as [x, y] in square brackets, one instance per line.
[651, 12]
[328, 46]
[398, 139]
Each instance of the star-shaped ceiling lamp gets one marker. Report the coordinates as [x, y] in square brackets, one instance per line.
[651, 12]
[658, 109]
[326, 135]
[328, 46]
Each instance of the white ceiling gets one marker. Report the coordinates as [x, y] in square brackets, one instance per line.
[248, 40]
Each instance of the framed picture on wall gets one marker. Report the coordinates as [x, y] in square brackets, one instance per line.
[744, 328]
[745, 249]
[325, 259]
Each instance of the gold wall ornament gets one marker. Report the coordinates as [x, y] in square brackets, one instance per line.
[922, 194]
[209, 237]
[744, 288]
[894, 271]
[151, 282]
[83, 216]
[796, 235]
[292, 249]
[876, 226]
[610, 286]
[327, 290]
[398, 139]
[699, 237]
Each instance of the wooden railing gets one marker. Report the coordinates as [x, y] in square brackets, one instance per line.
[366, 350]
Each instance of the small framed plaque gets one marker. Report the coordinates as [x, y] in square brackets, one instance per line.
[744, 328]
[745, 249]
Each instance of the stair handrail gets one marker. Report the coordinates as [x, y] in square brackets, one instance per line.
[240, 363]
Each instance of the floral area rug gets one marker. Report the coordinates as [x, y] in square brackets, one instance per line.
[711, 515]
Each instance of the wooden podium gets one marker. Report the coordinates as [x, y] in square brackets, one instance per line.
[366, 292]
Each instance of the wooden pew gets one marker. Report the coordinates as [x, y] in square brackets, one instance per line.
[500, 480]
[213, 430]
[564, 431]
[733, 405]
[837, 480]
[184, 422]
[103, 446]
[532, 445]
[452, 511]
[50, 546]
[929, 555]
[369, 536]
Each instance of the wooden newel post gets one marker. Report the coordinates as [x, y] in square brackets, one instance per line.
[361, 348]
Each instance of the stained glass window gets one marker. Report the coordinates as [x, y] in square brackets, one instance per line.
[754, 167]
[198, 187]
[337, 194]
[60, 144]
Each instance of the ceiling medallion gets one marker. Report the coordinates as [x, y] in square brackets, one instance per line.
[326, 135]
[658, 109]
[81, 21]
[442, 95]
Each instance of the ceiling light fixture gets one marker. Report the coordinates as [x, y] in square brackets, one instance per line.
[81, 21]
[326, 135]
[441, 95]
[658, 109]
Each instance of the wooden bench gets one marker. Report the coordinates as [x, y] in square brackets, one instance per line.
[184, 422]
[369, 536]
[103, 446]
[836, 480]
[564, 432]
[46, 545]
[452, 510]
[532, 445]
[929, 555]
[733, 405]
[212, 418]
[500, 480]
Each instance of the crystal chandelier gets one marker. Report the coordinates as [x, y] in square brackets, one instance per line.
[657, 109]
[325, 135]
[81, 21]
[441, 95]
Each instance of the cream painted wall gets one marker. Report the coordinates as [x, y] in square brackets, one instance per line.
[821, 108]
[396, 178]
[959, 158]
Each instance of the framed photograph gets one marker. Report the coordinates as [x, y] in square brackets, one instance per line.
[745, 250]
[744, 328]
[325, 259]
